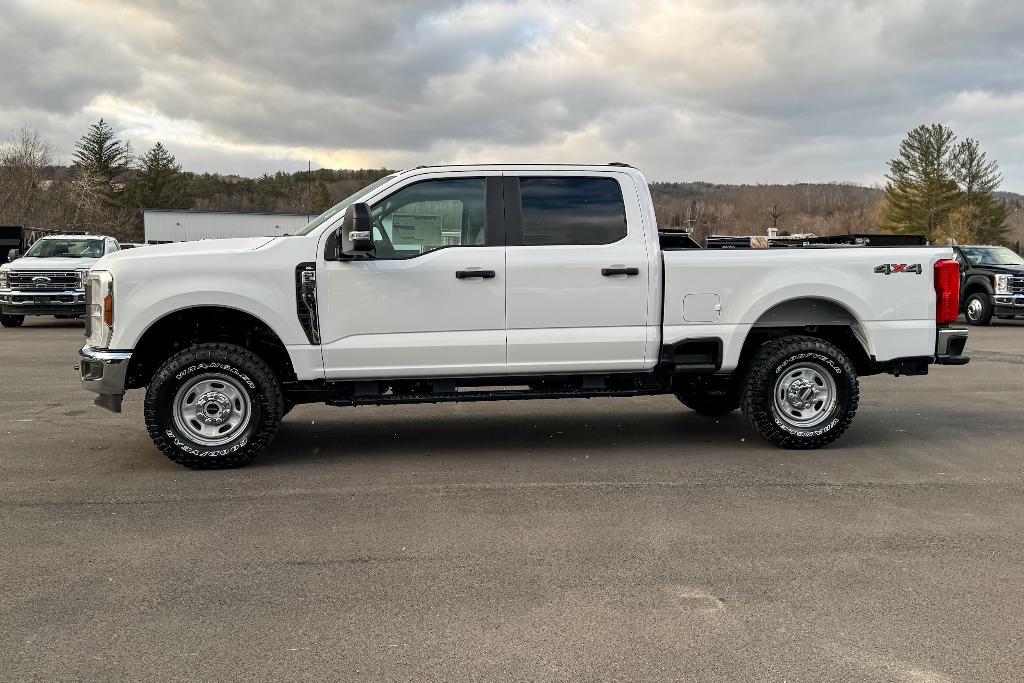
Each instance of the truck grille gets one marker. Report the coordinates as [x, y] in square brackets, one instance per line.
[1017, 285]
[55, 280]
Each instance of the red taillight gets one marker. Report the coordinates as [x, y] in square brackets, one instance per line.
[947, 292]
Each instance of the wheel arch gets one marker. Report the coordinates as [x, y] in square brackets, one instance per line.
[977, 285]
[812, 316]
[184, 327]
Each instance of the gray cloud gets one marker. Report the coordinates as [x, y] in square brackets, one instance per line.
[729, 91]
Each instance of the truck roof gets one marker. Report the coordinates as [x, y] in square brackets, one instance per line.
[527, 166]
[560, 168]
[73, 236]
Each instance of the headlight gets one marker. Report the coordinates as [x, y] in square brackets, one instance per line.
[82, 274]
[1003, 284]
[4, 281]
[99, 307]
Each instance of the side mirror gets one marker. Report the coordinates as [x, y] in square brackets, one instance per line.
[355, 236]
[15, 253]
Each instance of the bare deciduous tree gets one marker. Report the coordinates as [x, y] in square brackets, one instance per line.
[23, 158]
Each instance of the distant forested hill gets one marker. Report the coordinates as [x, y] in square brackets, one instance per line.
[705, 208]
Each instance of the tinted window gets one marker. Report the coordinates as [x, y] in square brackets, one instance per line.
[430, 215]
[572, 211]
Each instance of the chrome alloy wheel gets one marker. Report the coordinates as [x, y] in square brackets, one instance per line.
[974, 308]
[805, 395]
[211, 409]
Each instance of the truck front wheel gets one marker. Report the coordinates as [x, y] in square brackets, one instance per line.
[978, 309]
[801, 392]
[213, 406]
[12, 320]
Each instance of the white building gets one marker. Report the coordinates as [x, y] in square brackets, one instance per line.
[176, 225]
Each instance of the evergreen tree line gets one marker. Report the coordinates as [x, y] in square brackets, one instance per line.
[937, 186]
[944, 188]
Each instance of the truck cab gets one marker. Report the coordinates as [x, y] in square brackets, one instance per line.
[509, 282]
[49, 278]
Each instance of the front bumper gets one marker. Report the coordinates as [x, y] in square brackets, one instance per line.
[1008, 304]
[19, 302]
[949, 346]
[104, 373]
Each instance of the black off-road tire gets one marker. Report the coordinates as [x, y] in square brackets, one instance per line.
[771, 362]
[708, 400]
[984, 315]
[252, 375]
[12, 320]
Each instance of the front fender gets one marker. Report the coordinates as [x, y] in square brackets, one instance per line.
[139, 308]
[984, 281]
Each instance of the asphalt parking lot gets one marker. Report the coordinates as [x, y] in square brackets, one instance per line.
[591, 539]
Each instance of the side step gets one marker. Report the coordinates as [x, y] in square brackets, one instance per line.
[480, 395]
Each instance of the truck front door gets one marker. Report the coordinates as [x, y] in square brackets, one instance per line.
[578, 274]
[431, 300]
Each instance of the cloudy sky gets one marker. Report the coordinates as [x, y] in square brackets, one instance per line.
[745, 91]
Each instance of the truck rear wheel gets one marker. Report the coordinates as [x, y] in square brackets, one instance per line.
[213, 406]
[12, 320]
[801, 392]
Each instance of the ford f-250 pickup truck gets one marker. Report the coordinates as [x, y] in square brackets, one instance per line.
[470, 283]
[992, 283]
[49, 279]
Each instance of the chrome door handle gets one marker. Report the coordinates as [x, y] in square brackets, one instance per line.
[467, 274]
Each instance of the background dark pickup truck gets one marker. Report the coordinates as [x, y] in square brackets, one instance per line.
[992, 283]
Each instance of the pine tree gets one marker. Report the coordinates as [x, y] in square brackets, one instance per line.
[320, 198]
[102, 152]
[159, 183]
[921, 191]
[982, 215]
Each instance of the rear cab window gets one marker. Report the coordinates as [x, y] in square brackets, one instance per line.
[563, 210]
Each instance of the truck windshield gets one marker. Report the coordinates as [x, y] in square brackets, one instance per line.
[342, 205]
[992, 256]
[71, 248]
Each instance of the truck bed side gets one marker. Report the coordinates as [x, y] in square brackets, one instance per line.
[724, 294]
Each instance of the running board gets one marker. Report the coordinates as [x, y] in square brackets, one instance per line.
[456, 396]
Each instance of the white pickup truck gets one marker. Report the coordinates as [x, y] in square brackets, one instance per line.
[469, 283]
[49, 279]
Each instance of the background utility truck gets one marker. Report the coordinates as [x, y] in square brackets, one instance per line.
[468, 283]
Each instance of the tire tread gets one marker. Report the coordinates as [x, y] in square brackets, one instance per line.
[764, 360]
[270, 416]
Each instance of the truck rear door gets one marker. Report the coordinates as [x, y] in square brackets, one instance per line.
[578, 273]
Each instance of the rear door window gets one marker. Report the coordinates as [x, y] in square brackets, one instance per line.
[575, 211]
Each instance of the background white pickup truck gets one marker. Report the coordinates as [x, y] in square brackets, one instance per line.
[49, 279]
[467, 283]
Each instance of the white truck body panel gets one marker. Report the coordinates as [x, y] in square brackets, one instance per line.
[893, 316]
[411, 317]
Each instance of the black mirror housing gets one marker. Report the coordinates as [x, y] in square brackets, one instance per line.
[355, 236]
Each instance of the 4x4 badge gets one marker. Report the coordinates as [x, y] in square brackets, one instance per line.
[890, 268]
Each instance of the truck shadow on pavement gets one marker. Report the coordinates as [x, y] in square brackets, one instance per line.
[535, 432]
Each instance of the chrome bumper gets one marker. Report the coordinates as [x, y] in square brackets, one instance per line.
[949, 346]
[104, 373]
[16, 297]
[1015, 300]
